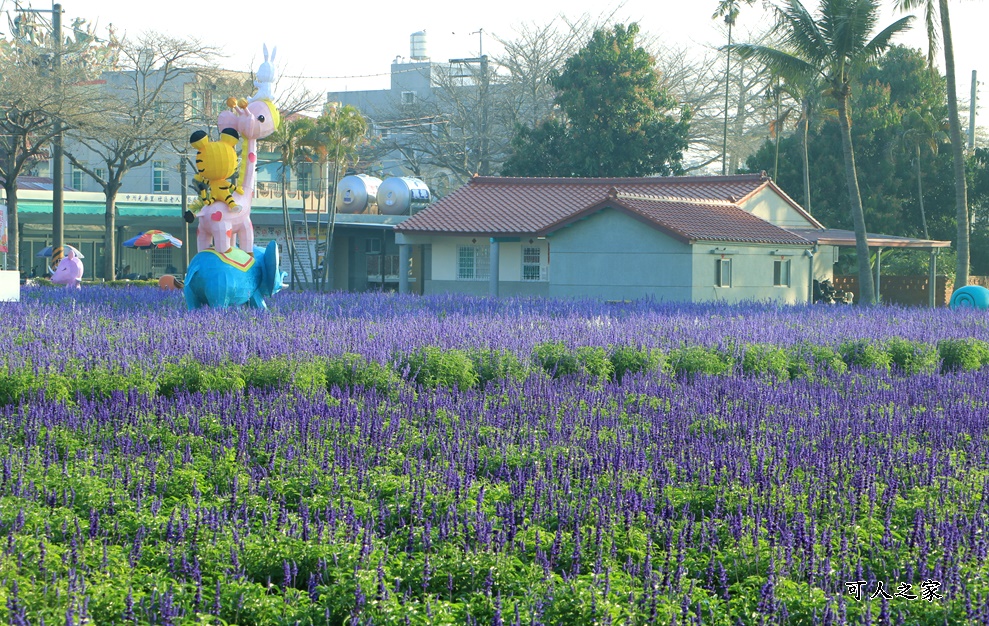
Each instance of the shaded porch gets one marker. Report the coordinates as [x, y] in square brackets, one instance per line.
[841, 238]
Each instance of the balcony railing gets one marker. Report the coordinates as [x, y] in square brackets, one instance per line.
[271, 189]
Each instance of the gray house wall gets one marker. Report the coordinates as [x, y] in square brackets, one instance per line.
[613, 256]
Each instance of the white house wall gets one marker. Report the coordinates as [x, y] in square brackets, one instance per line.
[613, 256]
[752, 273]
[444, 261]
[824, 261]
[770, 206]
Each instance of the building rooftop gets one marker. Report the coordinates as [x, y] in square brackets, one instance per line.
[687, 207]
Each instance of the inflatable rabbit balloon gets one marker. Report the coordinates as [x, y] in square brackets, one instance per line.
[265, 80]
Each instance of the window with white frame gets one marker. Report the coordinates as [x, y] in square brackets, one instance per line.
[100, 173]
[722, 273]
[77, 175]
[159, 177]
[473, 263]
[197, 105]
[533, 268]
[781, 272]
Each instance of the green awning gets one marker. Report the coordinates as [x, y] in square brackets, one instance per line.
[98, 208]
[36, 207]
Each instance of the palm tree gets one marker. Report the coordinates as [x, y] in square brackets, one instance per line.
[727, 9]
[286, 140]
[933, 8]
[834, 46]
[338, 132]
[921, 132]
[808, 92]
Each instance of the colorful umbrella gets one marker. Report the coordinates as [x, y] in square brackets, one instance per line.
[47, 251]
[153, 239]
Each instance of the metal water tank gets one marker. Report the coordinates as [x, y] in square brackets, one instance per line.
[419, 46]
[401, 195]
[357, 192]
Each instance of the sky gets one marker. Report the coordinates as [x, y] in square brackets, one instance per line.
[350, 45]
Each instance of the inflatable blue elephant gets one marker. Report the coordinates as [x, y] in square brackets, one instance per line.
[233, 278]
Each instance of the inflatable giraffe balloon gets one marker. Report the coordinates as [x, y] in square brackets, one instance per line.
[226, 224]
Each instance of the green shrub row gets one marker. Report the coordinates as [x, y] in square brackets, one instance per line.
[432, 367]
[346, 371]
[151, 282]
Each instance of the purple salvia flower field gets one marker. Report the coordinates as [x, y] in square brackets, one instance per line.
[351, 459]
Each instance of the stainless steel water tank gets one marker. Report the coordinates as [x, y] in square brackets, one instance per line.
[419, 46]
[356, 193]
[401, 195]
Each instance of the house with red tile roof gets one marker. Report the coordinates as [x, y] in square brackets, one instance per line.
[703, 238]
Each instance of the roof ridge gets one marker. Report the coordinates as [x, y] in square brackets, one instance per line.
[680, 199]
[548, 180]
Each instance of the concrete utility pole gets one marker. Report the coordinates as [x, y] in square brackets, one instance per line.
[58, 202]
[484, 163]
[184, 182]
[58, 206]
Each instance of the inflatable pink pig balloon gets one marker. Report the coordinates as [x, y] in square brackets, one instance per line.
[69, 271]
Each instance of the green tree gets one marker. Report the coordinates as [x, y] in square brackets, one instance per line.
[921, 132]
[933, 8]
[613, 117]
[834, 45]
[336, 137]
[882, 98]
[727, 9]
[287, 142]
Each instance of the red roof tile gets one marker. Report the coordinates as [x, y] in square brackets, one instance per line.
[689, 219]
[496, 206]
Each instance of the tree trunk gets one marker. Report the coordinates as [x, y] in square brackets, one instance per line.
[806, 155]
[920, 194]
[331, 208]
[110, 236]
[288, 227]
[319, 222]
[724, 141]
[776, 157]
[867, 289]
[961, 193]
[13, 223]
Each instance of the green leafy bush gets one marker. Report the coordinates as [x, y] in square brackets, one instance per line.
[282, 373]
[693, 360]
[913, 357]
[766, 360]
[963, 354]
[496, 364]
[594, 361]
[555, 358]
[25, 383]
[193, 376]
[433, 367]
[808, 360]
[632, 360]
[350, 370]
[865, 354]
[102, 382]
